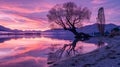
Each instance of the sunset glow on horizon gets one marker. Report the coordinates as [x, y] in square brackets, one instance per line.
[31, 14]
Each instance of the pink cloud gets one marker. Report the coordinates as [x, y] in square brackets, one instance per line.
[14, 22]
[24, 6]
[98, 1]
[16, 15]
[18, 8]
[110, 11]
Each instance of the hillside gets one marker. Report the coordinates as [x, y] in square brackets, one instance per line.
[5, 29]
[2, 28]
[94, 28]
[86, 29]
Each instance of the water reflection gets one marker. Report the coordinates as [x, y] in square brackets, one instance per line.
[37, 51]
[4, 39]
[53, 56]
[26, 52]
[68, 50]
[9, 37]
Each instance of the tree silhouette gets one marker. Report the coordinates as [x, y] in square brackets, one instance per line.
[101, 20]
[69, 16]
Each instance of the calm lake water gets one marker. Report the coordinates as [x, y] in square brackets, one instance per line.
[33, 51]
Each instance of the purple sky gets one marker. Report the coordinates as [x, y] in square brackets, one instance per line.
[31, 14]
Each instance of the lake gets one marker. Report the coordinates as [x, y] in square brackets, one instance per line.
[33, 51]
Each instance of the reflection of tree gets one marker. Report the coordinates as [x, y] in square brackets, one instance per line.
[66, 50]
[72, 47]
[54, 56]
[101, 21]
[100, 43]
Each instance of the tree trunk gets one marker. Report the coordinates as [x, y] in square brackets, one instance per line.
[81, 36]
[74, 32]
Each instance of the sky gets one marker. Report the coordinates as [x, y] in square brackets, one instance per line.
[31, 14]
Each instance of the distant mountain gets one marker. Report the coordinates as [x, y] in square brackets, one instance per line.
[2, 28]
[94, 28]
[67, 35]
[86, 29]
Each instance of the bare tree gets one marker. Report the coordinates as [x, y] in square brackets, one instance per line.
[69, 16]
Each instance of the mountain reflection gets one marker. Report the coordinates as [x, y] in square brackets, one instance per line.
[9, 37]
